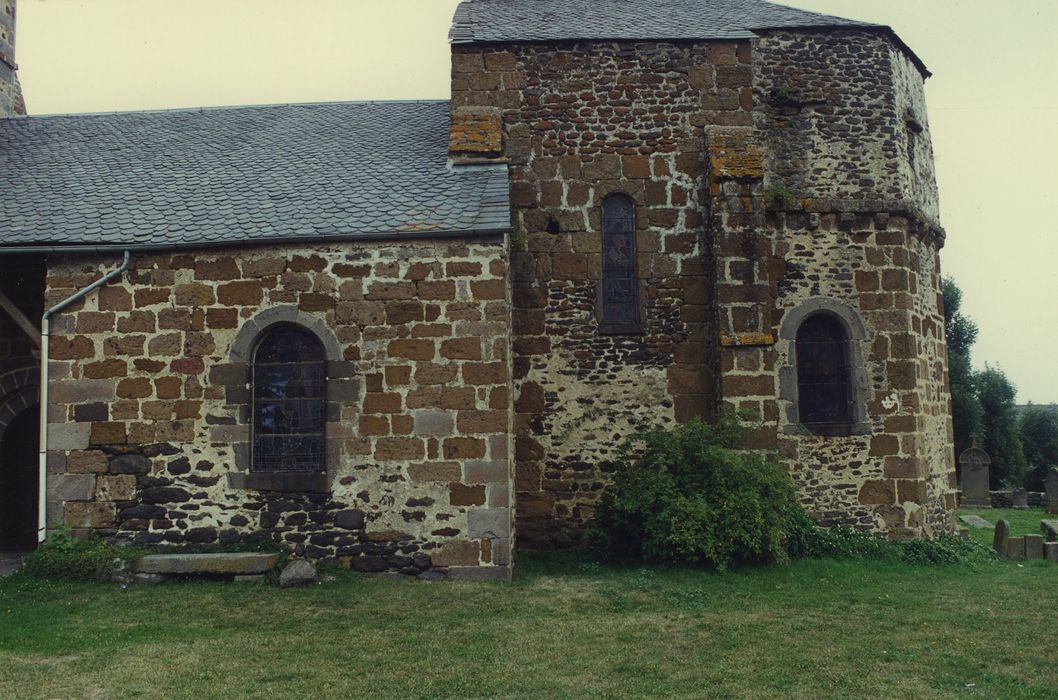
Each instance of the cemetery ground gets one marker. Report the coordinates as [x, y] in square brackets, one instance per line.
[1022, 521]
[566, 627]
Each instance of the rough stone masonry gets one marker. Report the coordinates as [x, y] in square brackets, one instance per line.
[780, 173]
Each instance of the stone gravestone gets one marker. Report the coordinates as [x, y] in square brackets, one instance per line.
[1052, 491]
[1021, 499]
[1033, 547]
[1000, 538]
[975, 462]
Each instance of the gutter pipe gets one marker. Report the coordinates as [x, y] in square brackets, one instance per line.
[45, 334]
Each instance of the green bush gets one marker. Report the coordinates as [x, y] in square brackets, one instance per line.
[63, 556]
[846, 543]
[688, 495]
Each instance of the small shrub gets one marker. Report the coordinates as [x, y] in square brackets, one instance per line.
[63, 556]
[689, 495]
[846, 543]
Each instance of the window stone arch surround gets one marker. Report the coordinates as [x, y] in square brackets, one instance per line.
[343, 388]
[856, 331]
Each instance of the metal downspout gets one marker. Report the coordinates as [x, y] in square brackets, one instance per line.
[45, 335]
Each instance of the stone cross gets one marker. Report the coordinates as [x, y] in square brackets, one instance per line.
[975, 462]
[1052, 491]
[1020, 498]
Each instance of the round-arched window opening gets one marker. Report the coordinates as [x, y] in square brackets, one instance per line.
[288, 379]
[824, 394]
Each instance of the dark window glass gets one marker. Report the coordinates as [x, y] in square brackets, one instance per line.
[823, 372]
[289, 383]
[620, 309]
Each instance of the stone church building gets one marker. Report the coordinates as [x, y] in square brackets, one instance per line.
[408, 335]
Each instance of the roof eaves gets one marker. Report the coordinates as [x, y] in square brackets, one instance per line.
[494, 228]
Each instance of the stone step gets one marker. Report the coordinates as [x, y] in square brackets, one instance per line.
[225, 564]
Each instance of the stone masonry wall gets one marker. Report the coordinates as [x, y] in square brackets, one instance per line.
[842, 114]
[581, 121]
[10, 92]
[149, 401]
[816, 208]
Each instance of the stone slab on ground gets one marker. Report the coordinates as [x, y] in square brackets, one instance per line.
[1050, 551]
[9, 562]
[1049, 529]
[1033, 547]
[1016, 548]
[976, 521]
[224, 564]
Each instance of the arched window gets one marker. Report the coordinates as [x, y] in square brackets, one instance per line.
[823, 372]
[619, 303]
[288, 377]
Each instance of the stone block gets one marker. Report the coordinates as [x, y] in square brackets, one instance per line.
[1033, 546]
[480, 573]
[486, 472]
[463, 495]
[489, 523]
[435, 471]
[877, 493]
[241, 564]
[433, 422]
[1050, 551]
[86, 462]
[89, 515]
[463, 448]
[69, 436]
[71, 487]
[457, 554]
[115, 488]
[1049, 529]
[1016, 548]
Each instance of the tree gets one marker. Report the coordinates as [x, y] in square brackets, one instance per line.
[960, 329]
[961, 333]
[1000, 436]
[1039, 440]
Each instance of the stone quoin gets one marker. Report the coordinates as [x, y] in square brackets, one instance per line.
[409, 336]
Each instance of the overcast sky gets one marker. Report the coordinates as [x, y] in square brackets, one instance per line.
[993, 109]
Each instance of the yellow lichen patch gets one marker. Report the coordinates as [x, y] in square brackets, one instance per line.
[476, 133]
[733, 154]
[743, 339]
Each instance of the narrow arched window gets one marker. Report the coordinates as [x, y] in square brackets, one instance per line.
[288, 378]
[823, 386]
[619, 303]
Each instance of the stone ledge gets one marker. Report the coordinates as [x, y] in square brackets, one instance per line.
[479, 573]
[242, 564]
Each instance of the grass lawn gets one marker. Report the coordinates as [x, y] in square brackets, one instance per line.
[817, 628]
[1022, 522]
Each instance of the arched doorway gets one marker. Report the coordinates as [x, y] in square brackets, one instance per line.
[19, 485]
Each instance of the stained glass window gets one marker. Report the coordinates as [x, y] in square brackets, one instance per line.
[823, 372]
[619, 304]
[289, 384]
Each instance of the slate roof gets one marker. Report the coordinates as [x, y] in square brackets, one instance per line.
[241, 175]
[496, 21]
[484, 21]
